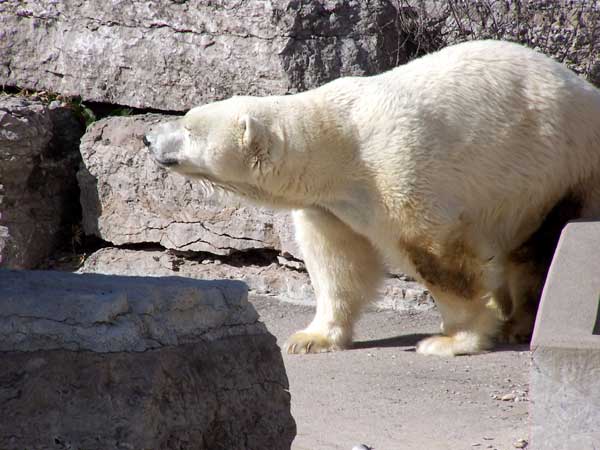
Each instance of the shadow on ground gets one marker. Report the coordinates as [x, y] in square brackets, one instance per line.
[411, 340]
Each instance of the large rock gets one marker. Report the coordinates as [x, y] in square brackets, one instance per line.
[172, 55]
[96, 362]
[127, 199]
[287, 284]
[39, 158]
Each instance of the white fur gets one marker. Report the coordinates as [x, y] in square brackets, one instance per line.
[454, 158]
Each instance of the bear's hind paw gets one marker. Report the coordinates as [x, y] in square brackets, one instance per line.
[461, 343]
[310, 342]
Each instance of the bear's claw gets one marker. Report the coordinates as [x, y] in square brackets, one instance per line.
[305, 342]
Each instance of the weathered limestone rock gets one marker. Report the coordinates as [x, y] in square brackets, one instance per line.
[173, 55]
[38, 190]
[273, 279]
[96, 362]
[127, 199]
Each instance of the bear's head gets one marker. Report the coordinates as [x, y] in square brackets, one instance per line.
[231, 144]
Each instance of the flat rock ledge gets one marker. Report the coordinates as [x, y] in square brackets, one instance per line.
[286, 284]
[94, 361]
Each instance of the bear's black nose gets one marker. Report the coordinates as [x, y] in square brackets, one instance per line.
[146, 141]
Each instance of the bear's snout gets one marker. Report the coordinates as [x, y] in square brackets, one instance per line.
[164, 143]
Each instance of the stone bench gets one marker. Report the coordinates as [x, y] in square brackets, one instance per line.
[96, 362]
[565, 376]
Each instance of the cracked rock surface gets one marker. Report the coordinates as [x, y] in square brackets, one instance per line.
[96, 362]
[127, 199]
[38, 159]
[173, 55]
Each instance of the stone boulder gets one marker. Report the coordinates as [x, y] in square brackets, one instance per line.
[287, 284]
[96, 362]
[127, 199]
[39, 157]
[172, 55]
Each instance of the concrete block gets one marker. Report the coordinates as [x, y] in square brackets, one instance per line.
[565, 374]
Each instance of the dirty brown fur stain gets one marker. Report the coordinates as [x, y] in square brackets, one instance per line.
[450, 271]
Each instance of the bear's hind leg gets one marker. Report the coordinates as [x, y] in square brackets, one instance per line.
[345, 271]
[469, 326]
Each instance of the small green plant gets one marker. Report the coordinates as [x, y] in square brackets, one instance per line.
[122, 112]
[82, 110]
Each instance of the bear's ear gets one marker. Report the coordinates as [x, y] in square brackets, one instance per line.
[253, 133]
[262, 148]
[256, 142]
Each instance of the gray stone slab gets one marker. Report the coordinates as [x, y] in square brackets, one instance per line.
[565, 374]
[96, 362]
[44, 310]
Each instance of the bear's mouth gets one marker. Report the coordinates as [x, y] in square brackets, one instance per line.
[167, 162]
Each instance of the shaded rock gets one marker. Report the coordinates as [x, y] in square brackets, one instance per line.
[96, 362]
[38, 190]
[272, 279]
[127, 199]
[173, 55]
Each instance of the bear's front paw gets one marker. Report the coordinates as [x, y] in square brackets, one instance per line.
[310, 342]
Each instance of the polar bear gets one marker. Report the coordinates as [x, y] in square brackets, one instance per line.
[459, 169]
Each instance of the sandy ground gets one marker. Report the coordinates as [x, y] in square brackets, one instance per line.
[384, 395]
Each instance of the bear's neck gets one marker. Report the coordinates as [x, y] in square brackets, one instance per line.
[318, 154]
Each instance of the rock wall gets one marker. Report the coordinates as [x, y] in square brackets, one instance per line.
[175, 55]
[96, 362]
[39, 153]
[172, 55]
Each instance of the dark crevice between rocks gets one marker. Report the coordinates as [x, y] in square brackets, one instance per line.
[261, 257]
[88, 111]
[102, 110]
[72, 255]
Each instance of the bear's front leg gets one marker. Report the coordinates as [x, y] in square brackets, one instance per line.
[345, 271]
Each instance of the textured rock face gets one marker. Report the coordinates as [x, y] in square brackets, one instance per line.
[173, 55]
[96, 362]
[127, 199]
[38, 190]
[563, 29]
[287, 284]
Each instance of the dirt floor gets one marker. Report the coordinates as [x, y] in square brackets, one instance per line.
[385, 396]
